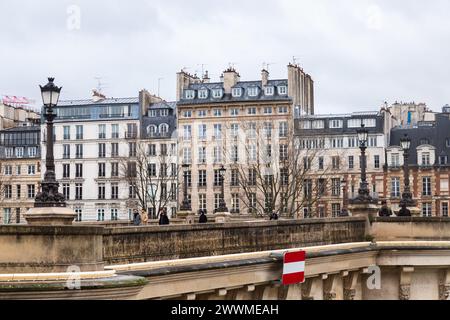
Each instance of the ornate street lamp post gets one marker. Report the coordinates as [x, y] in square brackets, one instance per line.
[363, 196]
[186, 204]
[407, 198]
[49, 195]
[222, 205]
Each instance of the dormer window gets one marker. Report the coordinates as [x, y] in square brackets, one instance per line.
[152, 113]
[151, 130]
[217, 93]
[203, 94]
[253, 91]
[282, 90]
[269, 91]
[164, 113]
[236, 92]
[335, 124]
[190, 94]
[164, 129]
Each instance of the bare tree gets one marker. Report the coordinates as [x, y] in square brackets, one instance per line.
[277, 175]
[152, 177]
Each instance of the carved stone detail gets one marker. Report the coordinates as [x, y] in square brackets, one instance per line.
[405, 292]
[349, 294]
[444, 291]
[329, 296]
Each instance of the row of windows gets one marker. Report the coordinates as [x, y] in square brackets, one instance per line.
[21, 152]
[338, 124]
[31, 170]
[395, 187]
[166, 191]
[101, 133]
[336, 143]
[424, 159]
[114, 150]
[251, 131]
[30, 191]
[236, 92]
[19, 138]
[234, 112]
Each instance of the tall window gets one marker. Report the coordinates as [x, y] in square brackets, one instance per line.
[187, 132]
[376, 161]
[78, 170]
[114, 191]
[66, 151]
[31, 169]
[444, 209]
[335, 209]
[66, 170]
[78, 191]
[114, 214]
[202, 178]
[114, 149]
[202, 131]
[114, 169]
[102, 131]
[66, 130]
[66, 191]
[425, 158]
[234, 182]
[102, 150]
[395, 160]
[31, 191]
[321, 163]
[427, 209]
[252, 202]
[283, 129]
[79, 151]
[336, 187]
[284, 153]
[395, 187]
[115, 131]
[102, 170]
[202, 201]
[426, 186]
[79, 213]
[100, 214]
[336, 163]
[19, 191]
[217, 197]
[187, 155]
[217, 178]
[217, 154]
[351, 162]
[79, 132]
[202, 155]
[217, 131]
[132, 149]
[8, 191]
[101, 191]
[235, 205]
[252, 175]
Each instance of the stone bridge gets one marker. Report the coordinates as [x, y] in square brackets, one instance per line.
[235, 261]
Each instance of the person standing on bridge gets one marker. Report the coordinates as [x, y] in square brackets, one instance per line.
[385, 211]
[136, 218]
[203, 218]
[163, 218]
[404, 211]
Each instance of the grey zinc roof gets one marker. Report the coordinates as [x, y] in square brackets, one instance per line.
[164, 105]
[229, 98]
[436, 134]
[86, 102]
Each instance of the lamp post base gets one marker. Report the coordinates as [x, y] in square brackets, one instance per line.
[51, 216]
[222, 217]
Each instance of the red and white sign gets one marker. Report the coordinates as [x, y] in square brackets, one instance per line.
[294, 268]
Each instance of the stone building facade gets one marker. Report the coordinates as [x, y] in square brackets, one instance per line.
[231, 123]
[330, 144]
[428, 163]
[20, 171]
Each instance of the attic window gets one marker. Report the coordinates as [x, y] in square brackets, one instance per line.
[282, 90]
[269, 91]
[203, 94]
[253, 91]
[164, 113]
[190, 94]
[236, 92]
[217, 93]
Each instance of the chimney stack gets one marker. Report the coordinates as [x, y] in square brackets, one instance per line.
[206, 78]
[264, 77]
[230, 79]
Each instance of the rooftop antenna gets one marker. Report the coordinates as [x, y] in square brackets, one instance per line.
[203, 68]
[100, 85]
[266, 65]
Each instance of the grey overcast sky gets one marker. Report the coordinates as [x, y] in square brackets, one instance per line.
[359, 52]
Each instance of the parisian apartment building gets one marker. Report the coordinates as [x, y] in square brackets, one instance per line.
[20, 170]
[329, 143]
[228, 125]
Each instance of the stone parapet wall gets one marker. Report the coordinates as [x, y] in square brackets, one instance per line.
[410, 229]
[141, 244]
